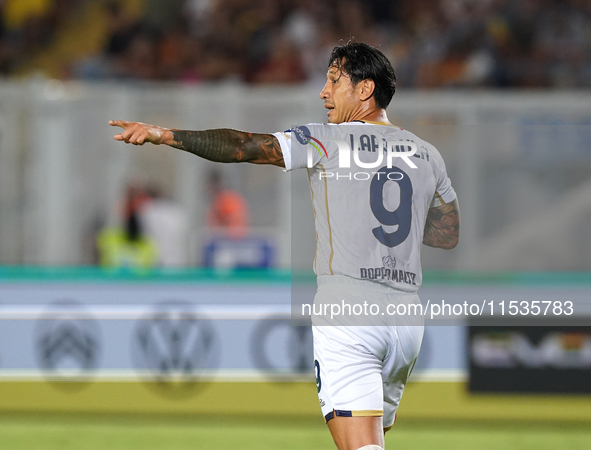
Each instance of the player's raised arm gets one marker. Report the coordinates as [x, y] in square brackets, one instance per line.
[223, 145]
[442, 229]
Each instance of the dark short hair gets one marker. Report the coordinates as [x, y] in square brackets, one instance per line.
[361, 62]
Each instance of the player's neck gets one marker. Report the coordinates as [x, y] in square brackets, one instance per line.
[377, 115]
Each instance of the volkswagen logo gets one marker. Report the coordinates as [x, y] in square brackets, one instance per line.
[173, 345]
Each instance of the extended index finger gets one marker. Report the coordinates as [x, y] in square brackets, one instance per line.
[120, 123]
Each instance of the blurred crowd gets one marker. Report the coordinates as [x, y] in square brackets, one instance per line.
[432, 43]
[28, 26]
[153, 229]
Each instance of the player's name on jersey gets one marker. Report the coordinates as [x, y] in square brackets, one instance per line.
[370, 143]
[382, 273]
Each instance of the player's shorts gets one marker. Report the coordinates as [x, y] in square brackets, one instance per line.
[362, 370]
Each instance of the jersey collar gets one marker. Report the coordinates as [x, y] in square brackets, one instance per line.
[375, 123]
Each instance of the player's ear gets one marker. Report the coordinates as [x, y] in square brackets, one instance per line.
[367, 87]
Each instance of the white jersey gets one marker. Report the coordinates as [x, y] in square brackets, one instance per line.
[369, 221]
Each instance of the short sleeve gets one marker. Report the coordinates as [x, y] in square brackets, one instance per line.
[298, 145]
[444, 192]
[285, 143]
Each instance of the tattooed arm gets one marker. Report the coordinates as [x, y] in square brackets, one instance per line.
[442, 229]
[222, 145]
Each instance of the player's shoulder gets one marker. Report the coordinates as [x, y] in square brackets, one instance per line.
[304, 129]
[303, 132]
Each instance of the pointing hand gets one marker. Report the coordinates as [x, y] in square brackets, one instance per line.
[138, 133]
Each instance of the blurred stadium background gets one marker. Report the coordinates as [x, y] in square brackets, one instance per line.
[182, 338]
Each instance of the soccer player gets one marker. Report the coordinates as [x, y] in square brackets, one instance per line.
[370, 222]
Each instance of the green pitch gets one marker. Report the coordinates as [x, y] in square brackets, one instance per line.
[50, 432]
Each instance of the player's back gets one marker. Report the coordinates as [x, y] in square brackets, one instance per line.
[370, 204]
